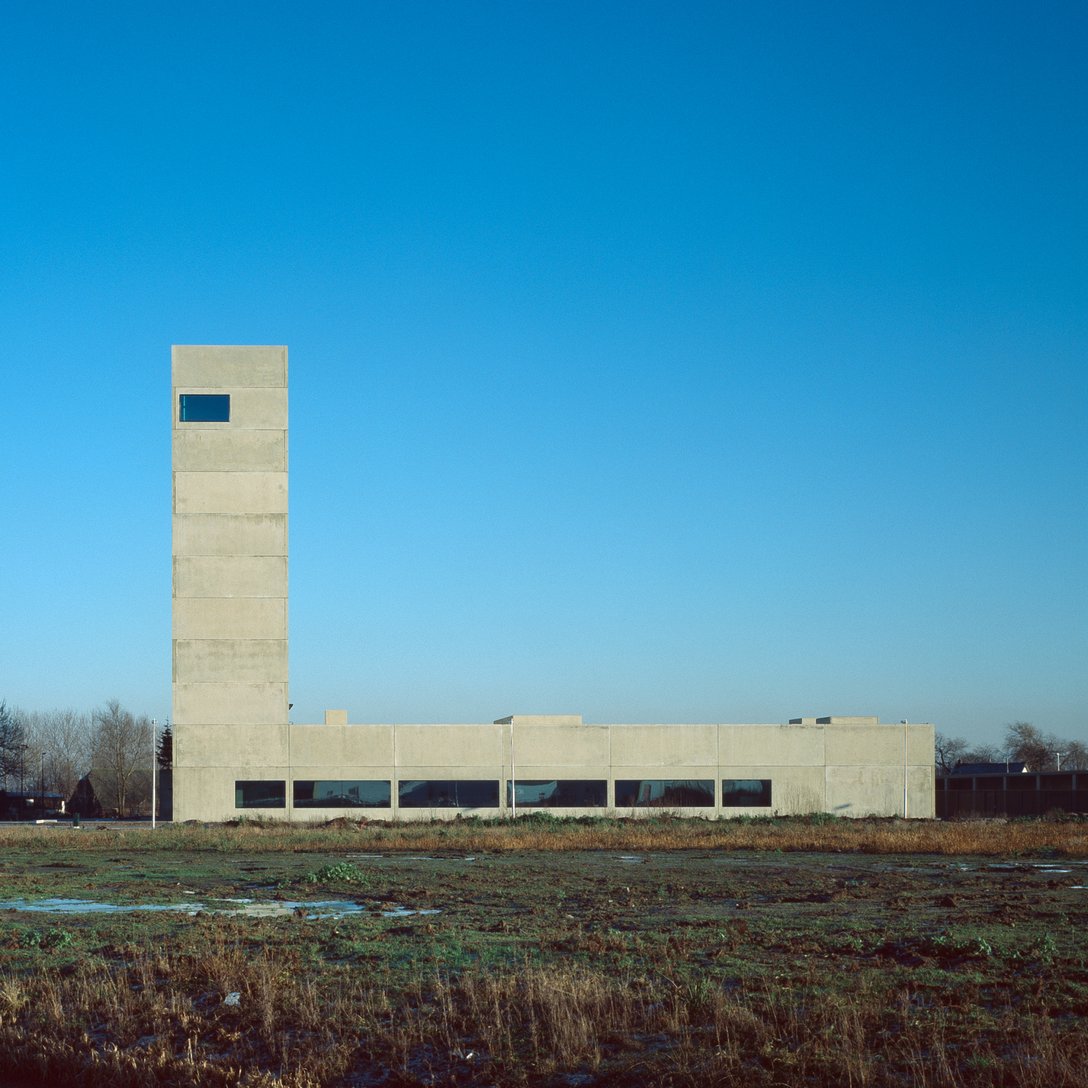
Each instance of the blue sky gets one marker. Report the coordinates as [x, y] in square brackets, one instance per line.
[654, 362]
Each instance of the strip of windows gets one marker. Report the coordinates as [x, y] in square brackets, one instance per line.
[746, 793]
[664, 793]
[204, 408]
[260, 793]
[443, 793]
[310, 793]
[561, 793]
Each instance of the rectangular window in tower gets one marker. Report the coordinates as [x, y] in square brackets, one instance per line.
[204, 408]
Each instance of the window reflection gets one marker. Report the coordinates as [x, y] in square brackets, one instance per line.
[746, 792]
[561, 793]
[664, 793]
[441, 793]
[341, 794]
[260, 794]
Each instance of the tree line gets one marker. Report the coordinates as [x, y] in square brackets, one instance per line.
[1023, 743]
[53, 751]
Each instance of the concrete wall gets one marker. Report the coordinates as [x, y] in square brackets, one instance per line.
[230, 698]
[791, 758]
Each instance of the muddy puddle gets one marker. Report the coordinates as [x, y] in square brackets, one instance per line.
[241, 908]
[401, 858]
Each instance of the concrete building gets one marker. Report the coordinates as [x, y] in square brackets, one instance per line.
[230, 571]
[235, 751]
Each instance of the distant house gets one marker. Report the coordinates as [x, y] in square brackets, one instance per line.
[1003, 767]
[29, 804]
[84, 801]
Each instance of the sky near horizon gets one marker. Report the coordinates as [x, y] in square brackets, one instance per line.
[654, 362]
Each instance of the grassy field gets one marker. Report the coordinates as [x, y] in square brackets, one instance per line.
[788, 952]
[1067, 837]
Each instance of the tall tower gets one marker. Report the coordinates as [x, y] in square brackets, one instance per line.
[230, 580]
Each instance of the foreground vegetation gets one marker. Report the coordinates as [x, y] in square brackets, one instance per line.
[660, 952]
[1067, 836]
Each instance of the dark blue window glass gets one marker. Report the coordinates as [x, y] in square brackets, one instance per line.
[204, 408]
[664, 793]
[260, 794]
[337, 794]
[472, 793]
[746, 792]
[564, 793]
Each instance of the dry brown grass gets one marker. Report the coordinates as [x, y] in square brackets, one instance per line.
[1068, 838]
[159, 1018]
[771, 997]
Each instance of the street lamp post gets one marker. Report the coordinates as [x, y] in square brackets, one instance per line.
[154, 767]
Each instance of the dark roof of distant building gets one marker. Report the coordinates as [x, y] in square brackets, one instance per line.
[990, 768]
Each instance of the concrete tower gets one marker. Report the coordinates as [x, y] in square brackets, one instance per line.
[230, 577]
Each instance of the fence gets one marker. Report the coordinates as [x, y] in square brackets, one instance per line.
[1011, 794]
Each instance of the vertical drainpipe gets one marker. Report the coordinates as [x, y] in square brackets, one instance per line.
[904, 770]
[394, 793]
[513, 779]
[718, 774]
[611, 787]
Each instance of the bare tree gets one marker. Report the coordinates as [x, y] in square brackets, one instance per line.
[1075, 756]
[121, 755]
[981, 753]
[1027, 744]
[12, 744]
[60, 742]
[946, 752]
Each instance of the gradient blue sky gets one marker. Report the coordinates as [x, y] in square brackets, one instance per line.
[649, 361]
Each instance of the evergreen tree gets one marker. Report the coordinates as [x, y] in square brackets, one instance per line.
[166, 749]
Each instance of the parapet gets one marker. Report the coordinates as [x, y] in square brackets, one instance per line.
[864, 719]
[539, 719]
